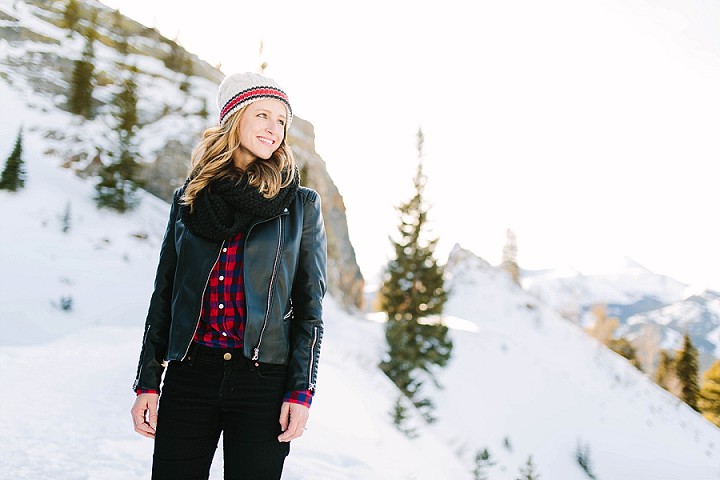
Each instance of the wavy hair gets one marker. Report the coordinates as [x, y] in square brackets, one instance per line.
[212, 158]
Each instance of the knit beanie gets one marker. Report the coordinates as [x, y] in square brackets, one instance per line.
[240, 89]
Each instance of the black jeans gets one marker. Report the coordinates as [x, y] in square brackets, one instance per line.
[219, 390]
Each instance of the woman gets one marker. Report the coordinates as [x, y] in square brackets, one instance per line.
[236, 313]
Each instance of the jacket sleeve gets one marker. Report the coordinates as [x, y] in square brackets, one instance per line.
[308, 290]
[157, 324]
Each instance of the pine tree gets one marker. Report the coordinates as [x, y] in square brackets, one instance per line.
[80, 101]
[126, 110]
[686, 368]
[482, 463]
[413, 289]
[509, 262]
[664, 369]
[709, 397]
[13, 175]
[582, 455]
[119, 180]
[71, 15]
[65, 219]
[665, 375]
[399, 416]
[623, 347]
[528, 471]
[178, 59]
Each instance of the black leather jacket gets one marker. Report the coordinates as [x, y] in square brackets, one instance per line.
[285, 282]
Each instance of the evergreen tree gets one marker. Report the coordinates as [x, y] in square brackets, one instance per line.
[126, 110]
[709, 396]
[528, 471]
[666, 375]
[582, 454]
[623, 347]
[178, 59]
[65, 219]
[119, 180]
[80, 101]
[399, 416]
[121, 45]
[686, 369]
[482, 463]
[413, 290]
[71, 15]
[509, 262]
[13, 175]
[664, 369]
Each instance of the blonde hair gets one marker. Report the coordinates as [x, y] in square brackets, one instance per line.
[212, 158]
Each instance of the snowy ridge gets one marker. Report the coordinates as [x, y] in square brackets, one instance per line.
[530, 376]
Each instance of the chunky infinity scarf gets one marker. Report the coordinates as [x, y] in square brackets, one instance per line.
[228, 206]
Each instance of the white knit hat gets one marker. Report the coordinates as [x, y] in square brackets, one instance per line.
[240, 89]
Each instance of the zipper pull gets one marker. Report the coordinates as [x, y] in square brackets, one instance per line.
[256, 354]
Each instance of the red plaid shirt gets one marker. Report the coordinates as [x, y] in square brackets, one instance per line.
[222, 318]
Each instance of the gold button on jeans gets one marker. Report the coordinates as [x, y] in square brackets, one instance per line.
[227, 356]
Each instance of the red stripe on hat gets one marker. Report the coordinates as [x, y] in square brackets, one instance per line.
[254, 92]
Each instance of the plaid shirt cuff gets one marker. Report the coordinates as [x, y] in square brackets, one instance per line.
[146, 390]
[302, 397]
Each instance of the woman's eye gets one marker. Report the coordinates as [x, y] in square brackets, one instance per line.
[281, 122]
[262, 115]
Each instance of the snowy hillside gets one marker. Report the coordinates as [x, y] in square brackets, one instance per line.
[523, 373]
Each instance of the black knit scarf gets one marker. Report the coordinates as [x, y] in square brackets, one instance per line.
[228, 205]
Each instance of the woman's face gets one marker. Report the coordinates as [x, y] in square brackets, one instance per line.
[262, 130]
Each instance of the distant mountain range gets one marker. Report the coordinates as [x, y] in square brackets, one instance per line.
[639, 298]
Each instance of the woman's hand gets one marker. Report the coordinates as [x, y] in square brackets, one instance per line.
[144, 414]
[293, 418]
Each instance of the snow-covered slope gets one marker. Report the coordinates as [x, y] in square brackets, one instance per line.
[522, 373]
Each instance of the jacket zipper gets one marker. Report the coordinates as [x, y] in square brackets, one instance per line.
[311, 384]
[256, 350]
[187, 349]
[147, 329]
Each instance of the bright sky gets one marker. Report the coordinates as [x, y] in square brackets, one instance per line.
[589, 127]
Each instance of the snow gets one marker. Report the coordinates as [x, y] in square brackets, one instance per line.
[519, 372]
